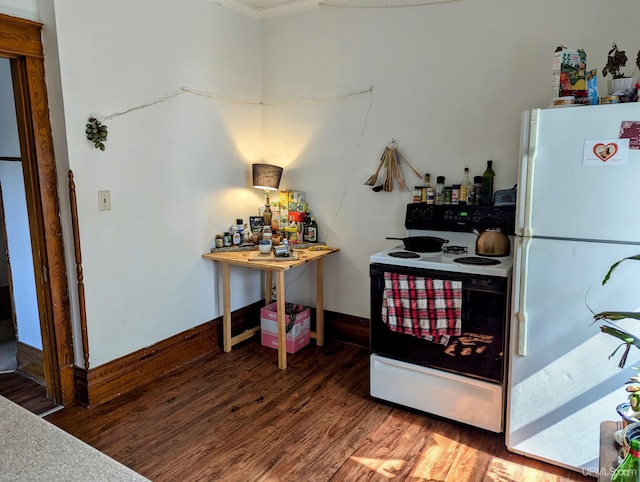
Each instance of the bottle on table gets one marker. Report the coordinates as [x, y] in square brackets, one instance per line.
[305, 228]
[629, 469]
[487, 184]
[236, 239]
[465, 187]
[312, 230]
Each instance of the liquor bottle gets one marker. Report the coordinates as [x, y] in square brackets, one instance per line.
[487, 184]
[312, 230]
[464, 187]
[629, 469]
[305, 228]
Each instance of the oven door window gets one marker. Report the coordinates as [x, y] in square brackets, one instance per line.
[477, 352]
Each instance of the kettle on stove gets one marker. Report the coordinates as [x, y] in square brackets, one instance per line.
[492, 242]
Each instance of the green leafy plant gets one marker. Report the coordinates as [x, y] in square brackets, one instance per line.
[611, 317]
[97, 133]
[634, 390]
[616, 60]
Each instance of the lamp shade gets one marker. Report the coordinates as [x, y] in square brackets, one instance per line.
[266, 176]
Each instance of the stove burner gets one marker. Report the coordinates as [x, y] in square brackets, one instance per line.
[477, 261]
[404, 254]
[455, 249]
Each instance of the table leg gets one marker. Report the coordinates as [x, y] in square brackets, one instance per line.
[268, 283]
[320, 302]
[282, 335]
[226, 314]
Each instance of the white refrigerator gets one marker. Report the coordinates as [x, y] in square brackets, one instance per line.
[575, 218]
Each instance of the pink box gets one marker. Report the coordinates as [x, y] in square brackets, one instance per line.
[299, 334]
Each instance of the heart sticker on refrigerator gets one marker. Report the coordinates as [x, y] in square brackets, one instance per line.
[605, 152]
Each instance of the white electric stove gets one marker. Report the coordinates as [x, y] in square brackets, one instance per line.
[464, 379]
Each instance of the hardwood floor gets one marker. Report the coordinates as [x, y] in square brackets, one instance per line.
[25, 392]
[236, 417]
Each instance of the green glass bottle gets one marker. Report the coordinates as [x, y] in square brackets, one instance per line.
[487, 185]
[629, 469]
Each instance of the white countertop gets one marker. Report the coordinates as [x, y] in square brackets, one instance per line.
[33, 449]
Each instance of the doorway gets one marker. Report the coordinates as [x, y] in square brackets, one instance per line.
[20, 42]
[20, 336]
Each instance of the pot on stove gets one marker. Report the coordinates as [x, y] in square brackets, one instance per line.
[422, 244]
[492, 242]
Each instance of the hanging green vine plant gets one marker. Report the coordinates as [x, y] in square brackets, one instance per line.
[97, 133]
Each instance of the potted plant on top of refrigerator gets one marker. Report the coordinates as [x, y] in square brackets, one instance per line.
[616, 60]
[630, 412]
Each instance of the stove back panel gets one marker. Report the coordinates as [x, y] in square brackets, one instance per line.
[459, 218]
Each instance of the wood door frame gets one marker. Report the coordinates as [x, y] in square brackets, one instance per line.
[20, 41]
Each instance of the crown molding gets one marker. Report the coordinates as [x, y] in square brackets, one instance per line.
[273, 9]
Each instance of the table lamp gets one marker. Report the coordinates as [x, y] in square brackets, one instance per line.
[267, 177]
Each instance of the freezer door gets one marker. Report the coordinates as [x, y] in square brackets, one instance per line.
[561, 197]
[561, 384]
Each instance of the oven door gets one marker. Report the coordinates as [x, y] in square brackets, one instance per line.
[478, 352]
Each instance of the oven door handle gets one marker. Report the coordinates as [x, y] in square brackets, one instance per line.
[520, 302]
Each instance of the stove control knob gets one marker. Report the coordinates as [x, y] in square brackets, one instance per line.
[427, 213]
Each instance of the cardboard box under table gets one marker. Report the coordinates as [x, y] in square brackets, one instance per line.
[298, 326]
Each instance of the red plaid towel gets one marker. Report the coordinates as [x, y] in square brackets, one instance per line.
[423, 307]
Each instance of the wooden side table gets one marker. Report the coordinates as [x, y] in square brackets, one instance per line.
[241, 258]
[609, 450]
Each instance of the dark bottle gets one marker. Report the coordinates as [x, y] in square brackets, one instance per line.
[439, 190]
[487, 185]
[629, 469]
[313, 230]
[477, 190]
[305, 228]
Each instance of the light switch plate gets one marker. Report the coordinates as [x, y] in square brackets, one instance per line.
[104, 200]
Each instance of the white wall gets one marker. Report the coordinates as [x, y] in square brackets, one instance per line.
[449, 83]
[178, 170]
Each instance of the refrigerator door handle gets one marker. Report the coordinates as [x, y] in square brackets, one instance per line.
[520, 303]
[529, 141]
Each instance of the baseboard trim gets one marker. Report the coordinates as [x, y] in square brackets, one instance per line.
[30, 361]
[122, 375]
[118, 377]
[347, 328]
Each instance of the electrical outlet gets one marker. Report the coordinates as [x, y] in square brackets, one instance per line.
[104, 200]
